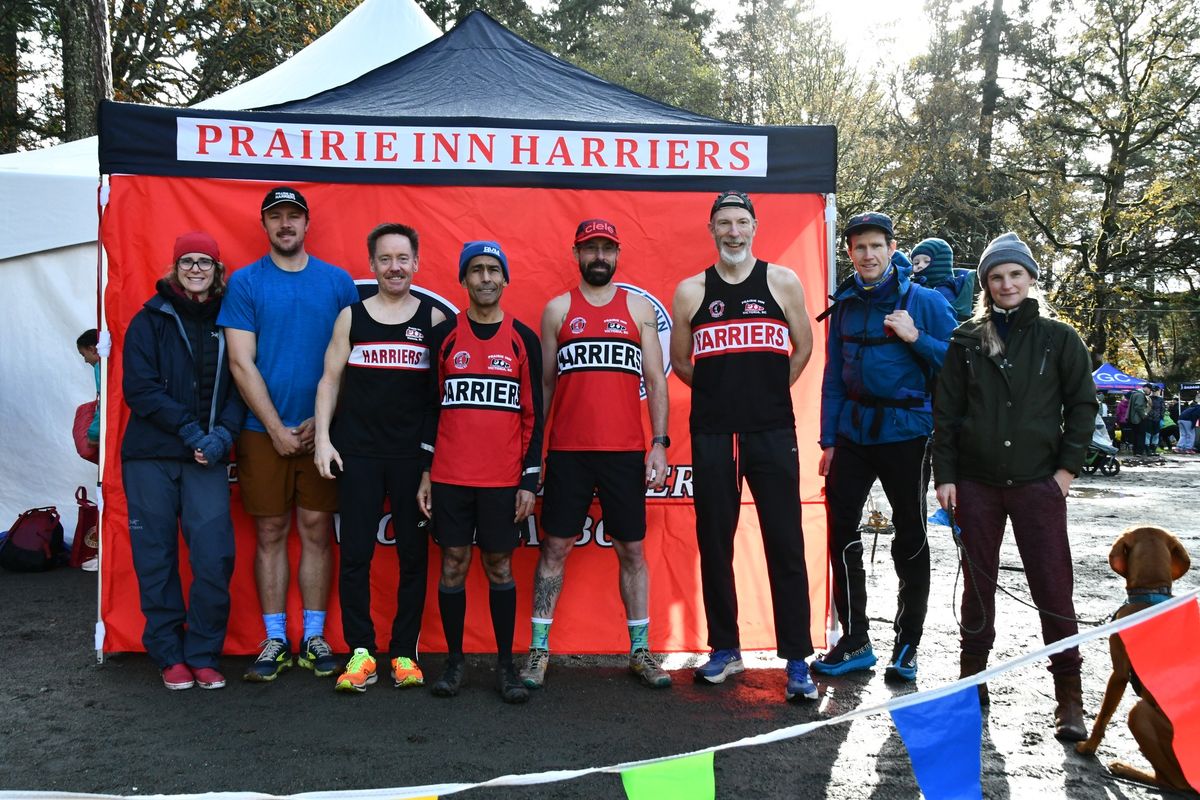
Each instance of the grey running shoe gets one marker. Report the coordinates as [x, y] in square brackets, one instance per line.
[645, 665]
[534, 674]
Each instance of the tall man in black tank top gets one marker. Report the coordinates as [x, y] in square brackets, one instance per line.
[377, 377]
[733, 325]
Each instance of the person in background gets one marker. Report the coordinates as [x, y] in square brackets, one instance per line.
[184, 414]
[86, 345]
[1014, 412]
[933, 267]
[1139, 409]
[1189, 417]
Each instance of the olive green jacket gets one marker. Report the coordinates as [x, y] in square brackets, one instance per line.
[1015, 418]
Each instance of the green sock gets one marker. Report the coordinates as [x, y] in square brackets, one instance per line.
[639, 634]
[541, 634]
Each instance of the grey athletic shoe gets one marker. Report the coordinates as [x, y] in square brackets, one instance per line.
[534, 674]
[645, 665]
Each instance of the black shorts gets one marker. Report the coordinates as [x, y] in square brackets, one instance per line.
[573, 476]
[466, 515]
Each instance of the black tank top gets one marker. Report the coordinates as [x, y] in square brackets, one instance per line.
[385, 387]
[740, 345]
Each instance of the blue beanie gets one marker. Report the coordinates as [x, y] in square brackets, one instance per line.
[481, 248]
[941, 263]
[1007, 248]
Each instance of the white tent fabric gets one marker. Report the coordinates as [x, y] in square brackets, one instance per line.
[48, 197]
[48, 226]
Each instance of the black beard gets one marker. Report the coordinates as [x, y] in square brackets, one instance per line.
[596, 278]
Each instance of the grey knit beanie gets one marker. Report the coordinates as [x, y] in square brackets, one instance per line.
[1007, 248]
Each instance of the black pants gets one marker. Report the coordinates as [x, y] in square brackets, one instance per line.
[768, 461]
[362, 486]
[900, 468]
[1140, 431]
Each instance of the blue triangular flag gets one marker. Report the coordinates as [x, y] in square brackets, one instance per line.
[943, 738]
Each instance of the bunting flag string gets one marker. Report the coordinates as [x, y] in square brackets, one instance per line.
[1170, 631]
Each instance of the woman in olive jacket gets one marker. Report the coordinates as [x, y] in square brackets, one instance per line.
[1013, 414]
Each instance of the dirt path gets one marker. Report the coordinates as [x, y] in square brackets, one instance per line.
[67, 724]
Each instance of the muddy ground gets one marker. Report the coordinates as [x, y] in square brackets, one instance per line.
[69, 724]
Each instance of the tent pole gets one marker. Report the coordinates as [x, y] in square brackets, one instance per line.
[105, 342]
[832, 631]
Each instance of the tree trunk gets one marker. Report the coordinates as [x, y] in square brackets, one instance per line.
[9, 70]
[989, 89]
[86, 64]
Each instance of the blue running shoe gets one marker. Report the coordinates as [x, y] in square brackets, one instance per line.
[903, 667]
[276, 657]
[799, 685]
[720, 664]
[846, 656]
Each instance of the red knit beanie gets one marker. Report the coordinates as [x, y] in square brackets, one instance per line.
[197, 242]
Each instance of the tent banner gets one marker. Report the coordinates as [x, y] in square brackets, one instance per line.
[1110, 379]
[664, 239]
[143, 140]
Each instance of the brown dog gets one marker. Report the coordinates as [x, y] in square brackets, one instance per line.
[1149, 559]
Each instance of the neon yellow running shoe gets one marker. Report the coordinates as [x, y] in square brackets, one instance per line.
[406, 673]
[359, 674]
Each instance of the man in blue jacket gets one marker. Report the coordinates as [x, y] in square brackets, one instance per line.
[887, 339]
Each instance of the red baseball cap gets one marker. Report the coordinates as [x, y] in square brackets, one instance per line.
[595, 229]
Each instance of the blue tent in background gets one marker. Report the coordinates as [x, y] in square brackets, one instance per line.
[1110, 379]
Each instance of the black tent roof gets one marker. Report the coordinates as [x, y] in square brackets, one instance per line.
[481, 69]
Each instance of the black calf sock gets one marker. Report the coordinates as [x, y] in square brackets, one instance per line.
[503, 603]
[452, 603]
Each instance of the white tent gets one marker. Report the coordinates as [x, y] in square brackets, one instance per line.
[48, 227]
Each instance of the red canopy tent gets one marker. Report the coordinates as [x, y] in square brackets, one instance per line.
[477, 135]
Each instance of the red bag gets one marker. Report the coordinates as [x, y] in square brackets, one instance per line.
[86, 546]
[83, 420]
[34, 543]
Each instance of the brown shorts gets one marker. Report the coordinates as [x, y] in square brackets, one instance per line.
[272, 484]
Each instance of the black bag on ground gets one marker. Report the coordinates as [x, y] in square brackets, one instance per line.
[34, 543]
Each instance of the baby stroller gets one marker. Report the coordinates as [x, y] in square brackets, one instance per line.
[1101, 458]
[1101, 455]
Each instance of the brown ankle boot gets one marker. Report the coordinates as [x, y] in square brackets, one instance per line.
[971, 664]
[1068, 714]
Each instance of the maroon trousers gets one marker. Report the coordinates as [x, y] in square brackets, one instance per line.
[1038, 512]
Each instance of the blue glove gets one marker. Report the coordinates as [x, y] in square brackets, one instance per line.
[192, 434]
[225, 435]
[213, 447]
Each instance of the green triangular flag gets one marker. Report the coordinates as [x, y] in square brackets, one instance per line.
[689, 778]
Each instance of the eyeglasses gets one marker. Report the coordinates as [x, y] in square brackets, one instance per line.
[202, 264]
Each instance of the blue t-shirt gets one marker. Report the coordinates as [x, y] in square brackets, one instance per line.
[292, 314]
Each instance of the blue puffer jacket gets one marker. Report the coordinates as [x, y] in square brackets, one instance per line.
[879, 393]
[160, 384]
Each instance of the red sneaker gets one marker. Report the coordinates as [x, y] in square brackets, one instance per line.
[177, 676]
[208, 678]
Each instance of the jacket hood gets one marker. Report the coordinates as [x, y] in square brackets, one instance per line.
[165, 293]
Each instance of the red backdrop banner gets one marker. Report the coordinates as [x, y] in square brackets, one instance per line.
[664, 239]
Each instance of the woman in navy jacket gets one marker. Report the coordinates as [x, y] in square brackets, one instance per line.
[185, 413]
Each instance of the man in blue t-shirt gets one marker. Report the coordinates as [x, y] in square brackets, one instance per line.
[278, 315]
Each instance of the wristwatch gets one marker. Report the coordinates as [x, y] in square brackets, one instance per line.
[665, 441]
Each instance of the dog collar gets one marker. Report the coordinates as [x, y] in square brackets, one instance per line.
[1151, 596]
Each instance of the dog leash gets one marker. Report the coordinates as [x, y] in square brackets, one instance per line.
[963, 558]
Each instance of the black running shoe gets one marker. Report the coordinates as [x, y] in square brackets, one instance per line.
[453, 679]
[512, 689]
[903, 666]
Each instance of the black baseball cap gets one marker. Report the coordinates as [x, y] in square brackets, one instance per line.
[283, 194]
[869, 219]
[732, 199]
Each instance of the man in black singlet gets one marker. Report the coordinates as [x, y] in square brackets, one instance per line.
[741, 338]
[377, 378]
